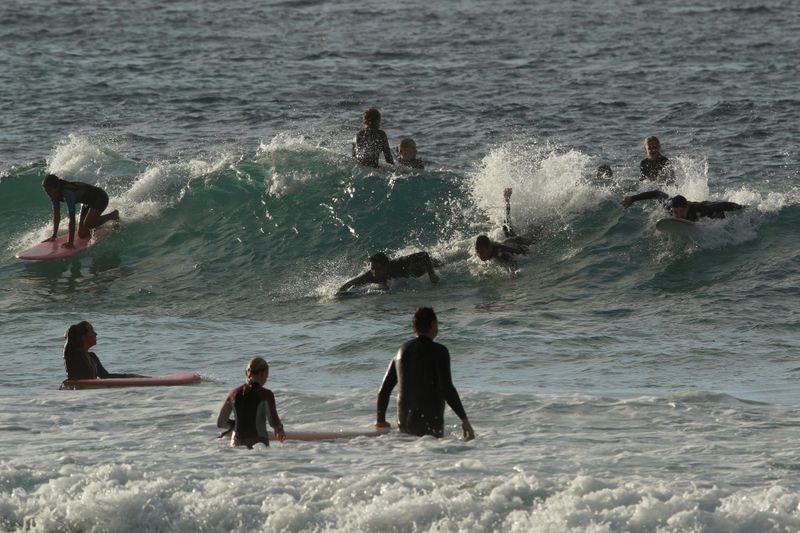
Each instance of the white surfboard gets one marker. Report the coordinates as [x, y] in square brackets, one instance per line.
[678, 227]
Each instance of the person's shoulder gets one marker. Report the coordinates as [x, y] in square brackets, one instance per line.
[265, 394]
[234, 391]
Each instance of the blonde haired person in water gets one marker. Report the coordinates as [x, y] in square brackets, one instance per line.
[407, 154]
[252, 406]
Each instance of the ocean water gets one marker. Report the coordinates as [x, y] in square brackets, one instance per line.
[618, 381]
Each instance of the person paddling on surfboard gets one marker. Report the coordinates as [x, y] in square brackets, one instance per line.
[679, 207]
[421, 368]
[382, 269]
[79, 362]
[252, 406]
[514, 244]
[94, 201]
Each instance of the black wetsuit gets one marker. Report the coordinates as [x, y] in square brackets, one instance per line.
[659, 169]
[252, 406]
[368, 145]
[75, 192]
[412, 265]
[695, 209]
[79, 366]
[422, 368]
[413, 163]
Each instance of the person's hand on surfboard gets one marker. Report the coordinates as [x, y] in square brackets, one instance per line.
[280, 434]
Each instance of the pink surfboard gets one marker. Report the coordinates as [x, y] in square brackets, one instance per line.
[181, 378]
[53, 249]
[329, 435]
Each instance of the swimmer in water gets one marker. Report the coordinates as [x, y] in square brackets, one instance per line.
[407, 154]
[421, 369]
[79, 362]
[94, 201]
[679, 207]
[382, 269]
[371, 141]
[656, 166]
[504, 252]
[252, 406]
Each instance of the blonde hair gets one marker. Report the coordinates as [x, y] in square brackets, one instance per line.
[406, 145]
[256, 365]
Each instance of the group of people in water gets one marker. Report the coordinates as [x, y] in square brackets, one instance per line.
[421, 367]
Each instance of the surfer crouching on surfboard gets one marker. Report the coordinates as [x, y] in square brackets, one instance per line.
[94, 201]
[679, 207]
[79, 362]
[252, 406]
[422, 370]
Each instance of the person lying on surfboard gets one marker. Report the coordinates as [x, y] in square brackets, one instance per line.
[79, 362]
[252, 406]
[679, 207]
[94, 201]
[382, 269]
[514, 244]
[421, 370]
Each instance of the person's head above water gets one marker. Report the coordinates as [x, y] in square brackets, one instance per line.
[483, 247]
[604, 172]
[379, 265]
[257, 371]
[80, 336]
[407, 149]
[425, 322]
[652, 147]
[372, 118]
[679, 207]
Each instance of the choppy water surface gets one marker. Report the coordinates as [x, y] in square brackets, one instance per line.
[619, 381]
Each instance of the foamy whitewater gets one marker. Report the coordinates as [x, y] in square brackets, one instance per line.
[618, 380]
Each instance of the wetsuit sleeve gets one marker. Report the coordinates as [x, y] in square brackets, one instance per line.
[224, 417]
[387, 152]
[102, 373]
[389, 381]
[649, 195]
[364, 279]
[448, 390]
[270, 413]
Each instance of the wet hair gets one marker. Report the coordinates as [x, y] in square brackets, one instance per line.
[604, 172]
[75, 334]
[651, 138]
[423, 319]
[379, 258]
[372, 117]
[254, 366]
[406, 144]
[482, 241]
[51, 181]
[679, 201]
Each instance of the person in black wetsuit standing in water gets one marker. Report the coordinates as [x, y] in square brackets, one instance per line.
[422, 369]
[656, 166]
[371, 141]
